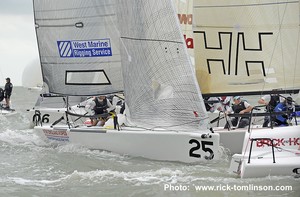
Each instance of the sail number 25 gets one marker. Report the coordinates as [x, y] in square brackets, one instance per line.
[202, 145]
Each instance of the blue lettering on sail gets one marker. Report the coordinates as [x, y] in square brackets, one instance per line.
[84, 48]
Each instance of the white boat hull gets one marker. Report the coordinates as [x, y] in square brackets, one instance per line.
[285, 165]
[286, 143]
[45, 116]
[233, 140]
[188, 147]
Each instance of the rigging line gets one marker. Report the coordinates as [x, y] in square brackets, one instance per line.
[247, 5]
[152, 40]
[71, 18]
[1, 74]
[296, 59]
[249, 137]
[69, 9]
[276, 41]
[126, 50]
[281, 45]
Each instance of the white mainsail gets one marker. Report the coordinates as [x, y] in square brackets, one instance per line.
[79, 46]
[246, 46]
[159, 80]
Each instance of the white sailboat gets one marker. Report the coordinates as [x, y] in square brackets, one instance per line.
[32, 76]
[249, 48]
[51, 107]
[133, 46]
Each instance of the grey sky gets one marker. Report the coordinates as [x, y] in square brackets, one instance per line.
[18, 46]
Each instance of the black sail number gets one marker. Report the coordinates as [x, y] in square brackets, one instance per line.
[197, 147]
[45, 118]
[204, 148]
[38, 118]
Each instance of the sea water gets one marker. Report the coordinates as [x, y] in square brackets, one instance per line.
[32, 167]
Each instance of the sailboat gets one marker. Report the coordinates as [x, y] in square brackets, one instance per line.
[51, 107]
[251, 48]
[135, 46]
[32, 76]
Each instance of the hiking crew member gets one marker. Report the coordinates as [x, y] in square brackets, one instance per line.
[239, 107]
[285, 106]
[271, 101]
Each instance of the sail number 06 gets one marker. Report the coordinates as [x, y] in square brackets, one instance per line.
[204, 148]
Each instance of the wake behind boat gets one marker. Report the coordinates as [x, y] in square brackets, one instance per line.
[101, 49]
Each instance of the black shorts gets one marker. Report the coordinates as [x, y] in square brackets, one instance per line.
[7, 96]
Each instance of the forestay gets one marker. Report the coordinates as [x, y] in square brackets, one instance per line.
[159, 80]
[78, 42]
[246, 46]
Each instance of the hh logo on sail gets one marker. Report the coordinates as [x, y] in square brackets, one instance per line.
[84, 48]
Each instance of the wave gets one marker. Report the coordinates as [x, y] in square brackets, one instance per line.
[16, 121]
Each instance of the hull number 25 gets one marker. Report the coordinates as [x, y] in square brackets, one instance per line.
[198, 145]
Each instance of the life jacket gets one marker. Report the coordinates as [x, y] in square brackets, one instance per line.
[1, 94]
[100, 107]
[239, 107]
[274, 101]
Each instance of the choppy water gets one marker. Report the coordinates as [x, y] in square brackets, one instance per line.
[31, 167]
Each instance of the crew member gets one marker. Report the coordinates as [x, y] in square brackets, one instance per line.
[7, 92]
[239, 107]
[100, 106]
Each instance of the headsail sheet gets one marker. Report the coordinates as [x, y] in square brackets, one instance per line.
[246, 46]
[78, 42]
[160, 86]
